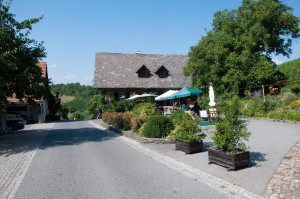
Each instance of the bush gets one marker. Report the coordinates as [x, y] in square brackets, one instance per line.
[76, 115]
[124, 105]
[186, 127]
[288, 97]
[119, 120]
[137, 122]
[157, 126]
[145, 109]
[230, 133]
[126, 119]
[259, 107]
[111, 118]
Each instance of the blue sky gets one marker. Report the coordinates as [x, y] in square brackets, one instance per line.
[75, 30]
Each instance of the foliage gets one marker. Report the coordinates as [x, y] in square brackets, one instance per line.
[203, 101]
[137, 122]
[126, 120]
[95, 105]
[119, 120]
[125, 105]
[236, 54]
[282, 107]
[75, 89]
[230, 133]
[291, 69]
[54, 104]
[258, 106]
[77, 105]
[19, 54]
[63, 112]
[186, 127]
[76, 115]
[157, 126]
[145, 109]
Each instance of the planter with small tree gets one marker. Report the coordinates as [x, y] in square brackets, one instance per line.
[229, 149]
[186, 132]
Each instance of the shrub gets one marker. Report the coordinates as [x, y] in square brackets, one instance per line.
[119, 120]
[288, 97]
[126, 119]
[111, 118]
[259, 107]
[157, 126]
[145, 109]
[186, 127]
[124, 105]
[230, 133]
[137, 122]
[76, 115]
[293, 115]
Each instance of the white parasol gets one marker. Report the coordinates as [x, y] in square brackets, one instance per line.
[211, 96]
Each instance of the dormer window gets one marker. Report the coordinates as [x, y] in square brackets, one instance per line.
[144, 72]
[162, 72]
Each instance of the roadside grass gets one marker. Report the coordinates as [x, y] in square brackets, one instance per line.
[66, 98]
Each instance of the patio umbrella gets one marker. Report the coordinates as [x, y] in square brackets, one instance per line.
[141, 96]
[147, 95]
[185, 92]
[133, 97]
[165, 95]
[211, 96]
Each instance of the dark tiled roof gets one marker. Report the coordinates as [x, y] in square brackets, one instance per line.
[116, 70]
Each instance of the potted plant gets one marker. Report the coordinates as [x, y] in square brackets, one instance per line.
[229, 149]
[186, 132]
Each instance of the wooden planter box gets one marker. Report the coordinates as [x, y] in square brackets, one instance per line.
[188, 147]
[231, 161]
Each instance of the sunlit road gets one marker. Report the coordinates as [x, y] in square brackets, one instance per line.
[76, 160]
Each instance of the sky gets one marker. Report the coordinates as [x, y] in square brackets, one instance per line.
[73, 31]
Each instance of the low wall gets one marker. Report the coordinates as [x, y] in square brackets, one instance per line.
[136, 137]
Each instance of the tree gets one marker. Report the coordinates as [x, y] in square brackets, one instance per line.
[96, 105]
[236, 54]
[54, 102]
[19, 54]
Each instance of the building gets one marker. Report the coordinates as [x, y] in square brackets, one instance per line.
[39, 110]
[124, 75]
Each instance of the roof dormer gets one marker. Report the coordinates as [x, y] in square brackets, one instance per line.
[144, 72]
[162, 72]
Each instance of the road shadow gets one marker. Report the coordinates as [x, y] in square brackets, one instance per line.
[28, 140]
[64, 137]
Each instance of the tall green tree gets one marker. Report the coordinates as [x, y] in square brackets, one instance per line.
[236, 54]
[19, 54]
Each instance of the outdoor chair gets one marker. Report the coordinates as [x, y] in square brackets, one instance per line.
[204, 116]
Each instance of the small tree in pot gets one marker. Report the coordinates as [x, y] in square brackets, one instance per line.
[186, 132]
[228, 140]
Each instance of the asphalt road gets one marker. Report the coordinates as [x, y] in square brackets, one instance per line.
[77, 160]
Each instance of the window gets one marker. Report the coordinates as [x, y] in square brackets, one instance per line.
[162, 72]
[144, 72]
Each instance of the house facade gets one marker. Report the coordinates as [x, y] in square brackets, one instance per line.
[38, 110]
[124, 75]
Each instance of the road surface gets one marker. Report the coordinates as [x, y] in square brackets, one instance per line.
[77, 160]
